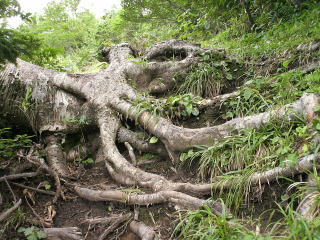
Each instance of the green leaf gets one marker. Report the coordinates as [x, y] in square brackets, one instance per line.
[305, 148]
[41, 234]
[47, 186]
[293, 159]
[285, 197]
[247, 94]
[317, 108]
[286, 63]
[183, 157]
[153, 139]
[229, 76]
[189, 109]
[21, 229]
[32, 236]
[88, 160]
[195, 111]
[29, 231]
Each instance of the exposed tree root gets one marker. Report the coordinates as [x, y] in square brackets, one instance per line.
[114, 224]
[7, 213]
[67, 233]
[180, 139]
[205, 103]
[142, 230]
[41, 163]
[308, 207]
[125, 135]
[304, 165]
[177, 198]
[55, 155]
[131, 154]
[101, 97]
[19, 175]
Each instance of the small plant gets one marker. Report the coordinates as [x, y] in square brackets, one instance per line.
[84, 161]
[32, 233]
[265, 93]
[174, 107]
[8, 146]
[208, 78]
[78, 121]
[26, 101]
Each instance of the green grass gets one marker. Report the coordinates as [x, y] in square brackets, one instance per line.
[292, 226]
[211, 76]
[278, 143]
[203, 224]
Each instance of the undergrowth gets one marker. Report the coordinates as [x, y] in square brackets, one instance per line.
[9, 145]
[265, 93]
[173, 107]
[213, 75]
[278, 143]
[203, 224]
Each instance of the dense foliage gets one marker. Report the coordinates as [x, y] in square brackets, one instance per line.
[13, 43]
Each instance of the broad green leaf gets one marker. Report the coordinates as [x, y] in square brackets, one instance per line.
[41, 234]
[195, 111]
[153, 139]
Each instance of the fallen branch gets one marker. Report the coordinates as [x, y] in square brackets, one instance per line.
[7, 213]
[41, 220]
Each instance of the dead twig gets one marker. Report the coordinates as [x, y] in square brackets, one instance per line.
[41, 163]
[34, 189]
[41, 220]
[7, 213]
[12, 193]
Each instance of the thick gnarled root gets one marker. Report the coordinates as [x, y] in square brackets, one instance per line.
[181, 139]
[55, 155]
[180, 199]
